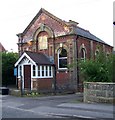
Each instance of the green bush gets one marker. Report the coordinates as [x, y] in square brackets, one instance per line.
[8, 61]
[99, 69]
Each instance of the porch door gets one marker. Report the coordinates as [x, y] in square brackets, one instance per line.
[27, 76]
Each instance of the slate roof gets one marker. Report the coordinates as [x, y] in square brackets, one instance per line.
[85, 33]
[79, 31]
[39, 58]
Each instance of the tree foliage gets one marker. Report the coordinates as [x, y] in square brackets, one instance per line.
[99, 69]
[8, 61]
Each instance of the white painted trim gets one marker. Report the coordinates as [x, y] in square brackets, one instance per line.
[61, 58]
[37, 70]
[31, 63]
[51, 70]
[48, 70]
[40, 71]
[23, 76]
[62, 68]
[24, 55]
[31, 75]
[44, 72]
[43, 77]
[82, 46]
[31, 84]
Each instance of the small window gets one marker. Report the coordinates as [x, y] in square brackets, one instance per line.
[62, 58]
[42, 70]
[34, 70]
[83, 54]
[107, 55]
[46, 70]
[96, 52]
[38, 70]
[50, 71]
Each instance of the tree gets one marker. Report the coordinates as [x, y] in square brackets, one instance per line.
[99, 69]
[8, 61]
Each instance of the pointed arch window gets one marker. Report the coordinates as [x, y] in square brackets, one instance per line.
[97, 52]
[62, 58]
[107, 54]
[83, 54]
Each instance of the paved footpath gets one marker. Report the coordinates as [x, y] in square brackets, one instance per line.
[55, 107]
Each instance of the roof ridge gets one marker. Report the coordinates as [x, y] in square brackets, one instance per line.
[42, 10]
[33, 52]
[54, 17]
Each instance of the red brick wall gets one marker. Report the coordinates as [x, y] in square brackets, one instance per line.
[55, 25]
[108, 48]
[19, 84]
[44, 83]
[62, 78]
[86, 43]
[40, 84]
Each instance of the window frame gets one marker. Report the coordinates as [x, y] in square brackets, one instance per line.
[61, 58]
[83, 54]
[42, 69]
[33, 70]
[96, 52]
[42, 42]
[20, 71]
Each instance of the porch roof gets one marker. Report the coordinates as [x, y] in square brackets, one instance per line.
[35, 57]
[39, 58]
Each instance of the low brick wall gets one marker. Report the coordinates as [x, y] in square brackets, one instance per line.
[99, 92]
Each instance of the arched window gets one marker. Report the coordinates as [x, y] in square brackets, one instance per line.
[97, 52]
[107, 54]
[42, 41]
[83, 54]
[62, 58]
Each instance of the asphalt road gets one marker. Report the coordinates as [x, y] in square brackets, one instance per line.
[37, 107]
[64, 106]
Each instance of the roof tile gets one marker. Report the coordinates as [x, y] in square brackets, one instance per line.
[87, 34]
[39, 58]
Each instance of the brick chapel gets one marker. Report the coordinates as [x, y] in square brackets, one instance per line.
[47, 46]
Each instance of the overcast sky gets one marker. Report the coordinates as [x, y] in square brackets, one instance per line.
[93, 15]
